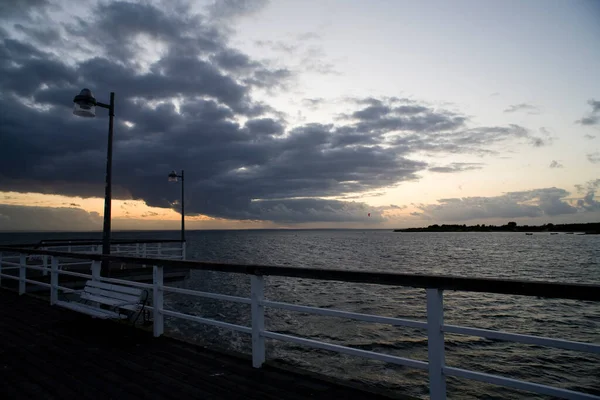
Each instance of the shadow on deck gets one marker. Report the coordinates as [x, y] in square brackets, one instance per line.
[52, 353]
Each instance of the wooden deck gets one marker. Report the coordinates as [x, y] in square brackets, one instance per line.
[52, 353]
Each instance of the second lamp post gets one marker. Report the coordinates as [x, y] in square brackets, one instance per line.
[173, 177]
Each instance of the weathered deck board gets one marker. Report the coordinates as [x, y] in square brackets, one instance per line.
[52, 353]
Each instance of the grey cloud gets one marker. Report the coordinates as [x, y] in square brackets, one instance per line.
[14, 8]
[264, 126]
[302, 210]
[13, 217]
[595, 105]
[457, 167]
[277, 46]
[308, 36]
[590, 137]
[592, 118]
[226, 9]
[588, 202]
[531, 109]
[594, 158]
[556, 164]
[533, 203]
[313, 103]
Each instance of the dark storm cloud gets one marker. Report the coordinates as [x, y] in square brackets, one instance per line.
[531, 109]
[13, 8]
[188, 106]
[457, 167]
[532, 203]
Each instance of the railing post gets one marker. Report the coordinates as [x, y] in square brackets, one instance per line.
[257, 290]
[22, 273]
[96, 269]
[144, 253]
[45, 262]
[53, 280]
[137, 249]
[435, 344]
[183, 249]
[157, 301]
[159, 249]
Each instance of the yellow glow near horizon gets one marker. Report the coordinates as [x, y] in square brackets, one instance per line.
[133, 209]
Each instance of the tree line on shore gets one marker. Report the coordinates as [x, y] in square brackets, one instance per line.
[592, 227]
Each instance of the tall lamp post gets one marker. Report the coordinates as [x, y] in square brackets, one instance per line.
[85, 106]
[173, 177]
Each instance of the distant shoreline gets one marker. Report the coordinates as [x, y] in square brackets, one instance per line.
[589, 228]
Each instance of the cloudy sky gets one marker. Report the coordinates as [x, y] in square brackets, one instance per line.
[301, 113]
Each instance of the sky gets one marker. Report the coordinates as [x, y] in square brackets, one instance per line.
[300, 114]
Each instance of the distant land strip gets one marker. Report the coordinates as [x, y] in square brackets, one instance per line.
[589, 228]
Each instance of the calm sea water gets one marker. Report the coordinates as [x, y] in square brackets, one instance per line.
[560, 258]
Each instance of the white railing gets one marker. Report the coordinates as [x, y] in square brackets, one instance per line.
[172, 250]
[434, 325]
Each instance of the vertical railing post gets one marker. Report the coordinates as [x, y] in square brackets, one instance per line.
[435, 344]
[22, 273]
[257, 290]
[137, 249]
[157, 300]
[53, 280]
[144, 253]
[159, 249]
[45, 262]
[183, 249]
[96, 270]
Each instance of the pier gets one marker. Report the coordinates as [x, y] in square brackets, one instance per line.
[51, 353]
[43, 342]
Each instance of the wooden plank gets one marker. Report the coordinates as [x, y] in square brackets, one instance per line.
[114, 288]
[125, 298]
[93, 311]
[69, 355]
[112, 302]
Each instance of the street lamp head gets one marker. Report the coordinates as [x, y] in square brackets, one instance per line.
[85, 104]
[173, 176]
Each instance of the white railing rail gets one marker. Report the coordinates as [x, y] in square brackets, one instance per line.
[172, 249]
[433, 327]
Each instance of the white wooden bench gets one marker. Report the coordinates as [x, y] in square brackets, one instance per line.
[108, 301]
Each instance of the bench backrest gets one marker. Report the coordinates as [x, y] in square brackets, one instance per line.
[112, 295]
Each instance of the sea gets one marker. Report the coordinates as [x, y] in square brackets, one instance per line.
[538, 257]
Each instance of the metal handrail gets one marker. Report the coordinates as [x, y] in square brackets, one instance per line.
[573, 291]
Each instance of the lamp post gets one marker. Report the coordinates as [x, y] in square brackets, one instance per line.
[85, 106]
[173, 178]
